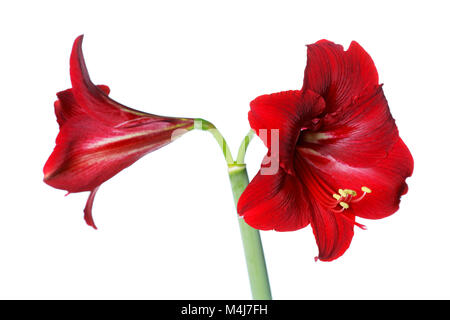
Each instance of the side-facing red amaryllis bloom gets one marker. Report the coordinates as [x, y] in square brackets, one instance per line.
[340, 154]
[99, 137]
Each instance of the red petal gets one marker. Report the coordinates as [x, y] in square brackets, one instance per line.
[88, 152]
[67, 107]
[288, 112]
[333, 232]
[360, 136]
[338, 75]
[95, 102]
[274, 202]
[88, 209]
[333, 229]
[386, 179]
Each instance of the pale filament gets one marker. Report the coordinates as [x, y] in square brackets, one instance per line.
[360, 198]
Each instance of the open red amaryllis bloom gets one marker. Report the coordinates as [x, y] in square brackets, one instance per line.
[99, 137]
[340, 154]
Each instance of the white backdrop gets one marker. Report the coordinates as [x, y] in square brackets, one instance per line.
[167, 225]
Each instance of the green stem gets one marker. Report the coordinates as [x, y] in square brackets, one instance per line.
[244, 145]
[251, 240]
[205, 125]
[254, 253]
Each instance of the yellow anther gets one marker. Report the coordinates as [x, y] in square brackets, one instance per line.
[344, 205]
[342, 193]
[366, 190]
[351, 192]
[336, 196]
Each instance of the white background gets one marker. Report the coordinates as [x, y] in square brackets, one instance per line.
[167, 225]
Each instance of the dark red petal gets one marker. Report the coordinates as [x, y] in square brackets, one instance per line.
[332, 227]
[67, 107]
[89, 152]
[288, 112]
[386, 179]
[95, 102]
[274, 202]
[88, 209]
[333, 232]
[360, 136]
[338, 75]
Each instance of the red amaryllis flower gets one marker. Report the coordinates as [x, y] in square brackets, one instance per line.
[340, 155]
[99, 137]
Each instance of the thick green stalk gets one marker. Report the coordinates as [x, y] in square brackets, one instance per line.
[254, 254]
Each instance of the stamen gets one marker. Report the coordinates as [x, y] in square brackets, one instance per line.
[366, 190]
[350, 192]
[338, 211]
[336, 196]
[344, 205]
[360, 198]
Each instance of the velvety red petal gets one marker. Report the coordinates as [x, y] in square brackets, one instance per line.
[67, 107]
[333, 227]
[386, 179]
[333, 232]
[360, 136]
[288, 112]
[95, 102]
[338, 75]
[89, 152]
[274, 202]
